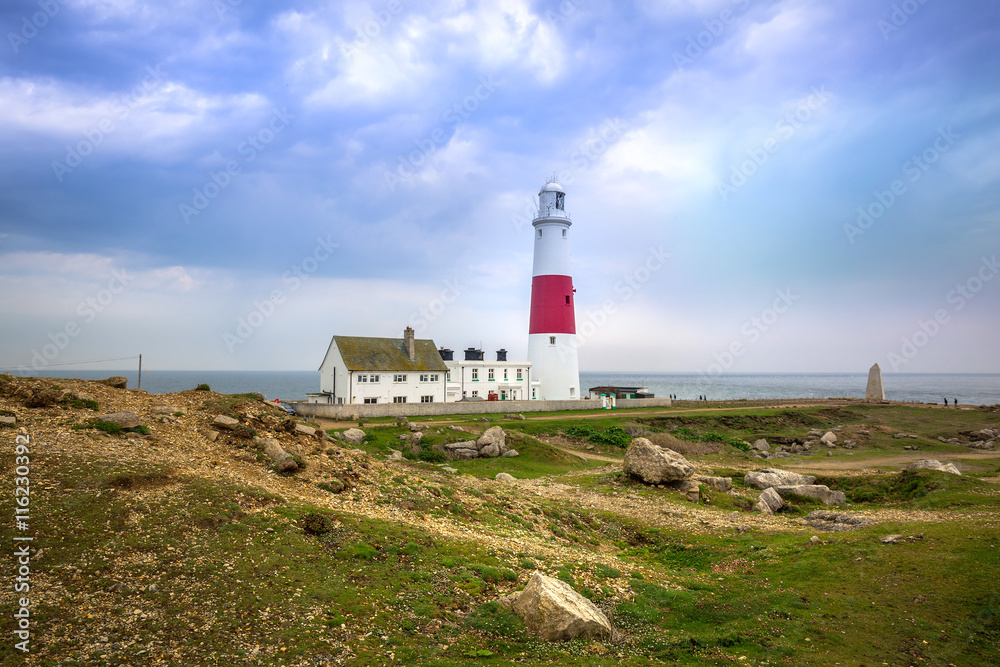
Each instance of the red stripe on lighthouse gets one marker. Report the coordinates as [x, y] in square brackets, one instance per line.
[552, 305]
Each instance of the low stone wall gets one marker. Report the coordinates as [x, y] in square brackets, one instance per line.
[367, 411]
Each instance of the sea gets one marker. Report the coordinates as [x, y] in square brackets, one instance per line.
[968, 388]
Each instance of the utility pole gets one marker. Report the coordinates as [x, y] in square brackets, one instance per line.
[140, 372]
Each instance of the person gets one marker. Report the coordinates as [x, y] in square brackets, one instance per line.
[946, 402]
[956, 402]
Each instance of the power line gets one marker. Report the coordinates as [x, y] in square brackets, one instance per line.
[68, 363]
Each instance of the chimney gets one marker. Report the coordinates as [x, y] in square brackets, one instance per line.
[446, 354]
[409, 344]
[501, 354]
[472, 354]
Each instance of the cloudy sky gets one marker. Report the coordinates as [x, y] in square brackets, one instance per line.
[789, 186]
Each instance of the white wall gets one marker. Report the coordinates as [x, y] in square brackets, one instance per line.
[461, 379]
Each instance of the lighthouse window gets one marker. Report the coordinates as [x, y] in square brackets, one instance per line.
[552, 340]
[567, 299]
[539, 233]
[560, 200]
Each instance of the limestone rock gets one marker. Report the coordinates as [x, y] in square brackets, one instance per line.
[765, 479]
[655, 465]
[417, 427]
[7, 420]
[164, 409]
[761, 445]
[225, 423]
[116, 381]
[490, 451]
[553, 611]
[874, 391]
[505, 477]
[836, 521]
[287, 465]
[768, 502]
[510, 452]
[124, 419]
[829, 438]
[817, 491]
[492, 436]
[355, 436]
[718, 483]
[514, 416]
[461, 450]
[306, 430]
[689, 488]
[394, 455]
[273, 449]
[931, 464]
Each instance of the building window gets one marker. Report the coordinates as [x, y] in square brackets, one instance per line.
[425, 378]
[505, 375]
[572, 392]
[426, 399]
[475, 375]
[552, 340]
[475, 393]
[399, 377]
[448, 376]
[491, 378]
[539, 233]
[371, 400]
[374, 378]
[518, 373]
[399, 399]
[362, 378]
[533, 392]
[567, 299]
[435, 377]
[564, 233]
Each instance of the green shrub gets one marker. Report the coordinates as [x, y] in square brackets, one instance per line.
[316, 524]
[494, 620]
[203, 387]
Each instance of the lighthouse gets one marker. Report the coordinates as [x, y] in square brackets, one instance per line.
[552, 328]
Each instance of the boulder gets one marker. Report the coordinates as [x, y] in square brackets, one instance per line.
[7, 420]
[492, 436]
[417, 427]
[768, 477]
[931, 464]
[505, 477]
[124, 419]
[514, 416]
[718, 483]
[116, 381]
[829, 438]
[510, 452]
[225, 423]
[655, 465]
[457, 428]
[689, 488]
[835, 521]
[306, 430]
[768, 502]
[553, 611]
[355, 436]
[461, 450]
[761, 445]
[394, 455]
[817, 491]
[287, 465]
[490, 451]
[273, 449]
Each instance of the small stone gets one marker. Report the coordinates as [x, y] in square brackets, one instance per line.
[225, 423]
[505, 477]
[125, 419]
[305, 430]
[355, 436]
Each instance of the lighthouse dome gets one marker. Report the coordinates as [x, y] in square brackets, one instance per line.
[551, 186]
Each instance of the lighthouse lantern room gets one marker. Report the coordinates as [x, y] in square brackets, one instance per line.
[552, 348]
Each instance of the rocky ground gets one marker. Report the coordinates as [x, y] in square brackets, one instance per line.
[182, 435]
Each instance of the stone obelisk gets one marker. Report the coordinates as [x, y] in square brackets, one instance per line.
[875, 391]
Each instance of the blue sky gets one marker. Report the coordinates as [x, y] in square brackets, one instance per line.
[755, 186]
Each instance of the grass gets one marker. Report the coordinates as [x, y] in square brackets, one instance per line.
[239, 569]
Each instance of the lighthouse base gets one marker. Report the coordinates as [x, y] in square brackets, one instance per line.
[554, 367]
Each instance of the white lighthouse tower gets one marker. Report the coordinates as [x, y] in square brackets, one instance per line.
[552, 329]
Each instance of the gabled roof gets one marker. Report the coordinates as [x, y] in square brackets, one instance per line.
[387, 354]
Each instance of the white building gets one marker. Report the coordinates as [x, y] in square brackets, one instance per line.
[552, 345]
[476, 378]
[381, 370]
